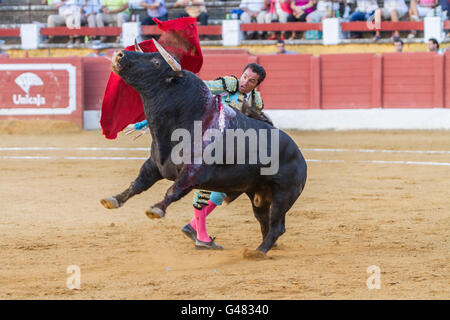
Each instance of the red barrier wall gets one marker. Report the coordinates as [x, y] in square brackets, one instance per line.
[346, 80]
[288, 81]
[391, 80]
[219, 65]
[408, 80]
[42, 88]
[334, 81]
[96, 71]
[446, 84]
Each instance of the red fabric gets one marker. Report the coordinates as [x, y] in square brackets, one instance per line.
[122, 104]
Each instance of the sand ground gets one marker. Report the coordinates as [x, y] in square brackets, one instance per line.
[353, 214]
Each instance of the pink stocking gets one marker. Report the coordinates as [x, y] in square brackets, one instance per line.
[200, 222]
[200, 217]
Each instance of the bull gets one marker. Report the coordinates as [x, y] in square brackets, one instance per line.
[176, 99]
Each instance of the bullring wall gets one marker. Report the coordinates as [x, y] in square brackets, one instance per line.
[299, 82]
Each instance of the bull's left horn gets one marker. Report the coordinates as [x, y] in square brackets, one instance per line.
[169, 59]
[136, 47]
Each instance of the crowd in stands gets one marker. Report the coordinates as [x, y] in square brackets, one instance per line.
[314, 11]
[99, 13]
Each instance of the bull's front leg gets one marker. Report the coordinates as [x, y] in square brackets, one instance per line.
[189, 176]
[148, 175]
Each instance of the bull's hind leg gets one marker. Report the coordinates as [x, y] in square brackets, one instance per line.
[261, 212]
[187, 178]
[282, 201]
[148, 175]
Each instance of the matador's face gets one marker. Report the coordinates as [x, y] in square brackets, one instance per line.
[248, 81]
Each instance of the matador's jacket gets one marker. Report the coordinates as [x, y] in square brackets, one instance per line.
[228, 88]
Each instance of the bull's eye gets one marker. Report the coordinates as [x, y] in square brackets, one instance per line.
[156, 63]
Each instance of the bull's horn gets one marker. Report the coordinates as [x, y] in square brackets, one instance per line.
[136, 46]
[169, 59]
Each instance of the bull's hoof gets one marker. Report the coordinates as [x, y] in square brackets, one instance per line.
[110, 203]
[254, 255]
[155, 213]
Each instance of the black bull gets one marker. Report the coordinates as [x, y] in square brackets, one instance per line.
[174, 100]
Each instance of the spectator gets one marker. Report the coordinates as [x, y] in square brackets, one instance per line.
[90, 9]
[419, 10]
[395, 9]
[75, 19]
[347, 6]
[365, 9]
[398, 45]
[253, 11]
[278, 10]
[324, 9]
[155, 9]
[300, 9]
[433, 46]
[3, 53]
[281, 48]
[113, 11]
[69, 13]
[445, 6]
[195, 9]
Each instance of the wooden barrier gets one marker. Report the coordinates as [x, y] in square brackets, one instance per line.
[115, 31]
[219, 65]
[447, 80]
[217, 29]
[275, 26]
[10, 32]
[96, 71]
[61, 88]
[83, 31]
[202, 30]
[346, 81]
[334, 81]
[408, 80]
[384, 26]
[288, 82]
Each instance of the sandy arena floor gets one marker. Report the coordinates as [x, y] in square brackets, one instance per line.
[353, 213]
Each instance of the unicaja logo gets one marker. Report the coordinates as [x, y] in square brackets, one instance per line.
[25, 81]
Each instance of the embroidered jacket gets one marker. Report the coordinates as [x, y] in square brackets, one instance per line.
[228, 88]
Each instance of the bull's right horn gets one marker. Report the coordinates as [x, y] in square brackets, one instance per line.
[169, 59]
[137, 48]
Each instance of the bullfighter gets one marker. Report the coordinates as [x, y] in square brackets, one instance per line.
[242, 95]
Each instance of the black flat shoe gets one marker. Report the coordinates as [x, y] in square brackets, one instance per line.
[202, 245]
[189, 232]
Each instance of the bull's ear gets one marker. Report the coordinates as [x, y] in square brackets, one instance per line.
[174, 76]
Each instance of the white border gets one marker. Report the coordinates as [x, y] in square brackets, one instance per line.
[341, 119]
[44, 111]
[362, 119]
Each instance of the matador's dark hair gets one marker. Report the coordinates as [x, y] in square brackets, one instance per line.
[256, 68]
